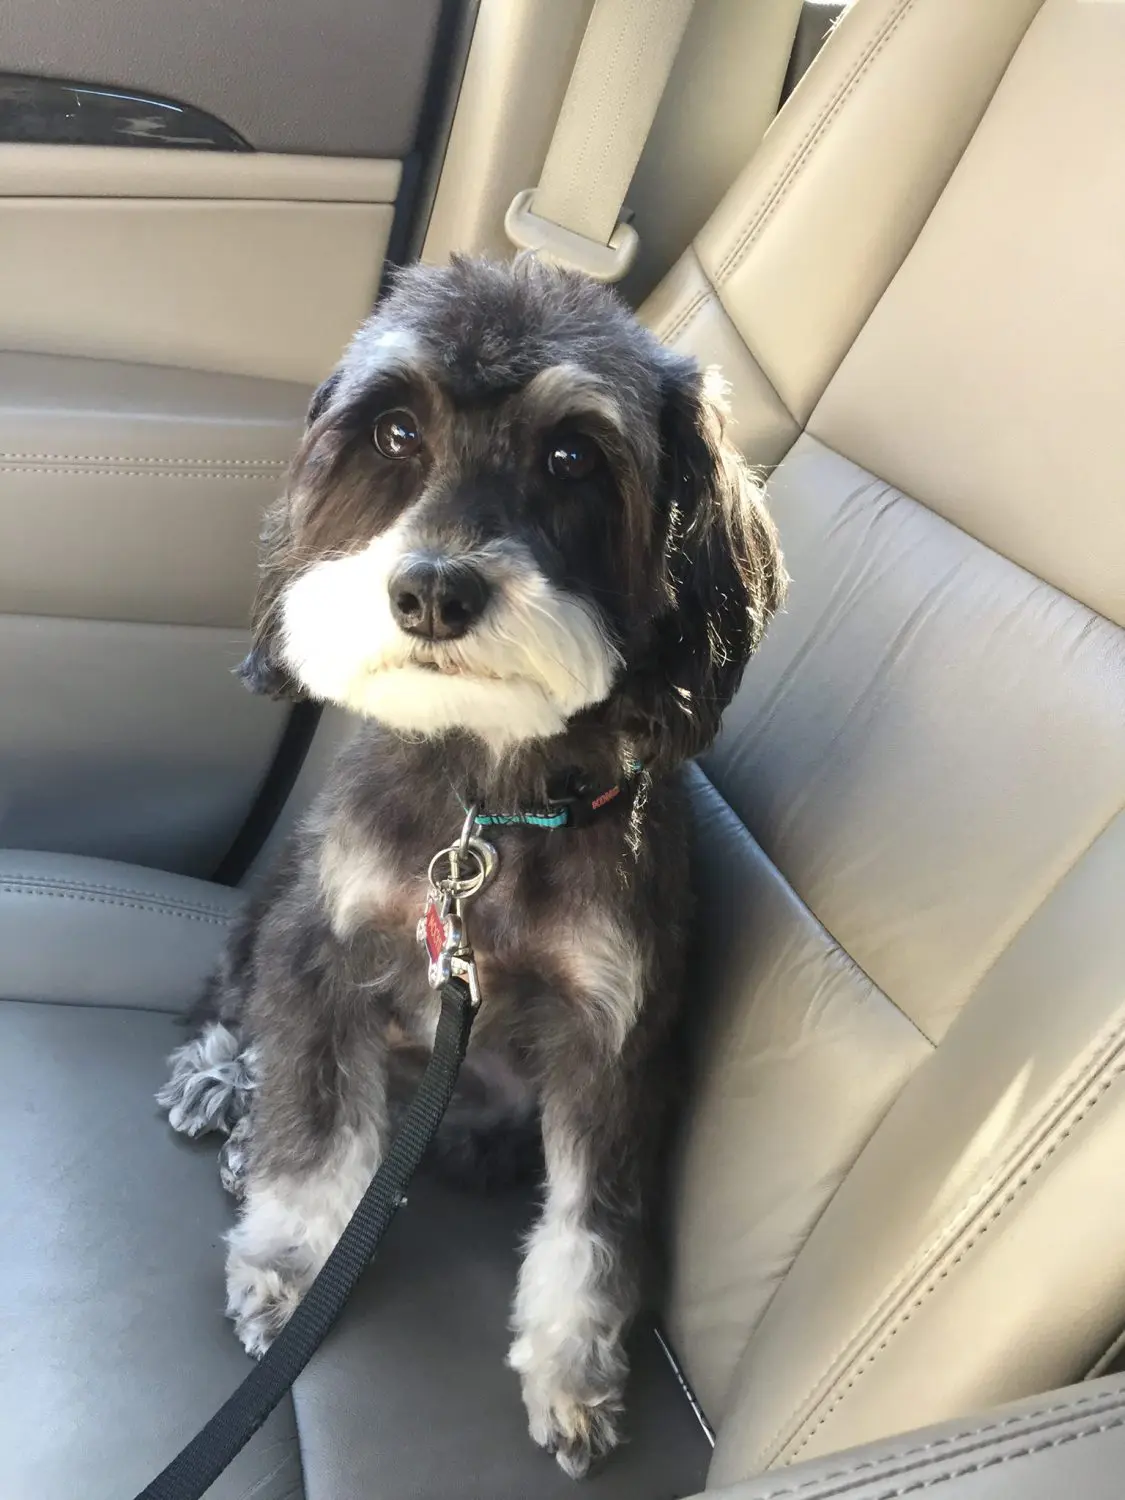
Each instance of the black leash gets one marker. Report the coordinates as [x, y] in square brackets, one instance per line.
[192, 1472]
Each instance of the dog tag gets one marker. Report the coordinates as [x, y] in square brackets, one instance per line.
[440, 932]
[433, 931]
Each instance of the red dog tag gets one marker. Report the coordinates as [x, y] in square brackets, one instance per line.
[436, 936]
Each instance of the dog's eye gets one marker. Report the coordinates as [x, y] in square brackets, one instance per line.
[572, 455]
[397, 434]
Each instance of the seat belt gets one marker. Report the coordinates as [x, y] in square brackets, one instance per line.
[574, 216]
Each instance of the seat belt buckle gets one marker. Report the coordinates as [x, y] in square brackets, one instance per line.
[607, 263]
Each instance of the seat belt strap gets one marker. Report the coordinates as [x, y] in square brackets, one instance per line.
[574, 216]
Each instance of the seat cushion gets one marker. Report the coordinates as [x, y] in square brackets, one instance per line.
[891, 1194]
[111, 1268]
[92, 932]
[111, 1261]
[1068, 1442]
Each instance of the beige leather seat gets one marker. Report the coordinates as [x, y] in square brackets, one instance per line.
[900, 1194]
[899, 1191]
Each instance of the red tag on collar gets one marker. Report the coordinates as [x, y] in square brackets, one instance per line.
[599, 802]
[435, 933]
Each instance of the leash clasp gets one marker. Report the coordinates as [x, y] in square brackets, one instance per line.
[457, 875]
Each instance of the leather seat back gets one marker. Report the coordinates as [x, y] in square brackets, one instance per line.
[897, 1195]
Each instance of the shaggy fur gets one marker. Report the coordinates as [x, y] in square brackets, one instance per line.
[578, 471]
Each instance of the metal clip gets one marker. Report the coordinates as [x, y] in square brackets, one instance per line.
[457, 874]
[464, 966]
[463, 873]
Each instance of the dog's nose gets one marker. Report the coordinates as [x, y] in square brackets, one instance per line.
[437, 598]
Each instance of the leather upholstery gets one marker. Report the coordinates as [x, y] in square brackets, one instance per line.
[128, 741]
[79, 931]
[352, 85]
[987, 338]
[891, 1202]
[111, 1261]
[804, 244]
[895, 1192]
[130, 505]
[411, 1396]
[176, 465]
[720, 99]
[1068, 1442]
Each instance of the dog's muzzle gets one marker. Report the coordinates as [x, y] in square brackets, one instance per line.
[428, 642]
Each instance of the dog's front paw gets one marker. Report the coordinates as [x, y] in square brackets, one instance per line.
[210, 1083]
[573, 1414]
[260, 1301]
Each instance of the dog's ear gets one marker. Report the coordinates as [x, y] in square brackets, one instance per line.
[724, 576]
[261, 671]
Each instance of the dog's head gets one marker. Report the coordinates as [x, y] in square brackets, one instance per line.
[513, 507]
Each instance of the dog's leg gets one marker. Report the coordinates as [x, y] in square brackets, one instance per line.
[288, 1227]
[234, 1158]
[578, 1282]
[317, 1134]
[212, 1076]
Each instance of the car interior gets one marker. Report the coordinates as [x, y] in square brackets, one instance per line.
[894, 1216]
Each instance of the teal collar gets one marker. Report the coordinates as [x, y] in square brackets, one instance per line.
[571, 809]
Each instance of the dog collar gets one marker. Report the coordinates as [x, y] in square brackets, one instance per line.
[573, 807]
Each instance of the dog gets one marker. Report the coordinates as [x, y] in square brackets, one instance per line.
[517, 544]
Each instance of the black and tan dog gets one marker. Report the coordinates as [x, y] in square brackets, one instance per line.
[517, 544]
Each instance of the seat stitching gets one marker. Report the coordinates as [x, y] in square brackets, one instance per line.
[109, 887]
[198, 474]
[214, 919]
[711, 295]
[964, 1470]
[1080, 1081]
[119, 458]
[1001, 1458]
[134, 458]
[695, 304]
[105, 888]
[1108, 1358]
[793, 166]
[1059, 1414]
[1088, 1085]
[782, 182]
[1079, 1076]
[948, 1232]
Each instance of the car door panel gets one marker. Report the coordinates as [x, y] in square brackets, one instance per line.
[339, 78]
[130, 502]
[170, 301]
[256, 265]
[132, 741]
[134, 493]
[59, 112]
